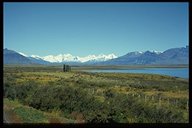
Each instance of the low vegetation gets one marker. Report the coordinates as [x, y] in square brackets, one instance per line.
[78, 97]
[19, 113]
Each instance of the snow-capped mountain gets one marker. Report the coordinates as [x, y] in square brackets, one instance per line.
[12, 57]
[100, 57]
[156, 52]
[61, 58]
[23, 54]
[70, 58]
[35, 56]
[170, 56]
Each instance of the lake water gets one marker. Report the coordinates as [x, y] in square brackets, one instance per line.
[177, 72]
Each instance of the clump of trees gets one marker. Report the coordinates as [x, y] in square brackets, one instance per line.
[66, 68]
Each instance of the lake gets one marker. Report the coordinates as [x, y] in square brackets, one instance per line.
[176, 72]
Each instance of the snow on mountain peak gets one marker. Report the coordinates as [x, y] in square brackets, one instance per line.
[23, 54]
[71, 58]
[36, 56]
[140, 52]
[100, 57]
[157, 52]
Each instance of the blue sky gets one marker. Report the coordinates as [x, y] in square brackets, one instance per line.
[93, 28]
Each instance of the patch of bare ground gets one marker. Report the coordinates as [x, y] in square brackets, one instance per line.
[54, 120]
[79, 118]
[11, 117]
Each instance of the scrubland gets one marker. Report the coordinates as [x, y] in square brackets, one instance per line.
[48, 95]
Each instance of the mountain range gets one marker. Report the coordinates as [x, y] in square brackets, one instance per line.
[170, 56]
[10, 57]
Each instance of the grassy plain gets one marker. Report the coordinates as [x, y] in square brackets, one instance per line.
[78, 96]
[19, 113]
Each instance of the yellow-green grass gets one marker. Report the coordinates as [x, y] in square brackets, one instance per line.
[118, 80]
[96, 84]
[19, 113]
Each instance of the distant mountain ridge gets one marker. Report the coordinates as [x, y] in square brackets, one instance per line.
[70, 58]
[51, 59]
[170, 56]
[12, 57]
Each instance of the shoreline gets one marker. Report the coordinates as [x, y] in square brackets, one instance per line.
[128, 67]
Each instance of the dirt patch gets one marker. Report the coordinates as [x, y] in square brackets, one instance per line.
[79, 118]
[54, 120]
[11, 117]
